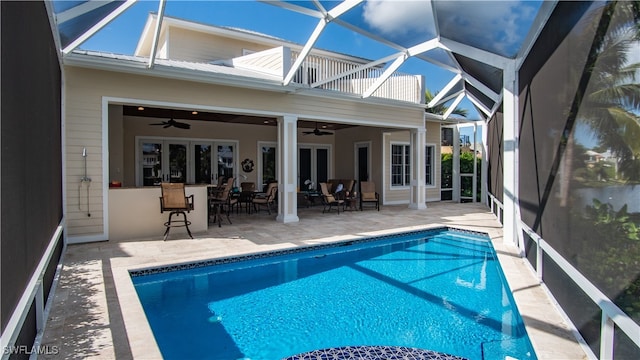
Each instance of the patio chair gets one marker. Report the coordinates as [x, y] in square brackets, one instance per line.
[368, 194]
[267, 199]
[329, 200]
[173, 199]
[223, 202]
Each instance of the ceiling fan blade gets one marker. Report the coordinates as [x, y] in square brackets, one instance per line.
[166, 126]
[325, 133]
[181, 125]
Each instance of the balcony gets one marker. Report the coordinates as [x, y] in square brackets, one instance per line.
[334, 74]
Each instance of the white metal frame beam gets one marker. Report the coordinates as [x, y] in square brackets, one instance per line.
[156, 34]
[453, 105]
[414, 50]
[355, 70]
[481, 86]
[441, 94]
[340, 9]
[483, 56]
[99, 25]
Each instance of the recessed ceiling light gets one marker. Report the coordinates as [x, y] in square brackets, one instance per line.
[324, 126]
[140, 108]
[265, 122]
[194, 112]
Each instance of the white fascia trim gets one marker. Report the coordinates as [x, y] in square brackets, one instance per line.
[174, 73]
[355, 97]
[483, 56]
[99, 25]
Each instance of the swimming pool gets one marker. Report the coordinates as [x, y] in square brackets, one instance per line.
[441, 290]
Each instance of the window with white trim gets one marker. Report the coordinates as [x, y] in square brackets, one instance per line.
[400, 165]
[429, 177]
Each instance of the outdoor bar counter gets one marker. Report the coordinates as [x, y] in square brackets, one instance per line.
[134, 213]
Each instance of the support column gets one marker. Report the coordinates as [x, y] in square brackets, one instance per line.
[511, 224]
[484, 165]
[455, 165]
[418, 169]
[287, 169]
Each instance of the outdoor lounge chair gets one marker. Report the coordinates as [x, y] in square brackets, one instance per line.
[329, 200]
[173, 199]
[368, 194]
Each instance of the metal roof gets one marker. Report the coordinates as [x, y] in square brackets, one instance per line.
[472, 42]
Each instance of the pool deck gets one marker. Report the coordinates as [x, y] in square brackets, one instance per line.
[96, 312]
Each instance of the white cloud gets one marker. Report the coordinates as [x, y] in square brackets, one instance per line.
[399, 17]
[494, 25]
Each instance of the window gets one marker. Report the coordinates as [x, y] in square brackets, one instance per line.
[400, 165]
[192, 161]
[267, 164]
[429, 177]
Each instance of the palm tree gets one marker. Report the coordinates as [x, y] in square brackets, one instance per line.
[440, 109]
[611, 104]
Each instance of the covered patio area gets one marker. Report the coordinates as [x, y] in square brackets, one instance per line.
[96, 312]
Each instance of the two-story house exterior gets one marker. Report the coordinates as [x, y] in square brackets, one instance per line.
[230, 86]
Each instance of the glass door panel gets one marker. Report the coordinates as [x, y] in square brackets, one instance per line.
[322, 165]
[313, 165]
[268, 154]
[151, 163]
[202, 164]
[226, 158]
[177, 163]
[304, 168]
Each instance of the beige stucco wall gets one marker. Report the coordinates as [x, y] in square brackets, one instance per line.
[86, 89]
[400, 195]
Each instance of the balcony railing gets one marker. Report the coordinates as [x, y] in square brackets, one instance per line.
[334, 74]
[351, 77]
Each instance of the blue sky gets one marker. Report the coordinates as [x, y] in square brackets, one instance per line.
[121, 35]
[497, 26]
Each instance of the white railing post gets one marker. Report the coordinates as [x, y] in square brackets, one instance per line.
[607, 334]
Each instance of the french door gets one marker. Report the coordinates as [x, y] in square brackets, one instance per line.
[313, 165]
[182, 160]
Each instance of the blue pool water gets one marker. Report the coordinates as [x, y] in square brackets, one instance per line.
[441, 290]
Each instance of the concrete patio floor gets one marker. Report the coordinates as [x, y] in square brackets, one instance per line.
[96, 312]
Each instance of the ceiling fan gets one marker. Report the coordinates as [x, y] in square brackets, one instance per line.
[171, 122]
[317, 132]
